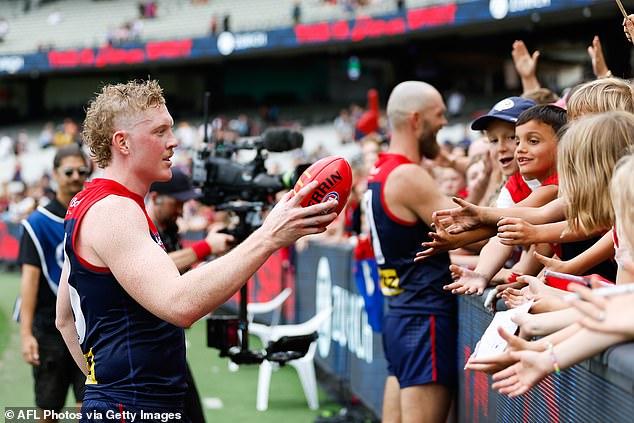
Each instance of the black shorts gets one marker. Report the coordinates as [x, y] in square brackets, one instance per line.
[56, 372]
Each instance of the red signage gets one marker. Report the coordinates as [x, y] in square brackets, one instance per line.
[118, 56]
[369, 27]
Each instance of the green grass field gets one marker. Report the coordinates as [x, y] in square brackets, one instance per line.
[235, 391]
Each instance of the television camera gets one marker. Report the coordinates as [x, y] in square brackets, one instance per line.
[245, 189]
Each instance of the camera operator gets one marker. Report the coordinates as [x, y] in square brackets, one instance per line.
[164, 207]
[128, 300]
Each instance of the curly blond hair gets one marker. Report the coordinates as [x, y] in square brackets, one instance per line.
[114, 104]
[600, 95]
[588, 152]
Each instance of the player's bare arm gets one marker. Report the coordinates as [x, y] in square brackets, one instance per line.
[124, 247]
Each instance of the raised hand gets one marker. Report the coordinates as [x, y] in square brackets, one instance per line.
[516, 231]
[628, 28]
[467, 282]
[599, 67]
[525, 63]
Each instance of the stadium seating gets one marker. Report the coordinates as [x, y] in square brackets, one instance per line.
[86, 23]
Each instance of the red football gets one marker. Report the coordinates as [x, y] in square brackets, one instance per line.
[335, 181]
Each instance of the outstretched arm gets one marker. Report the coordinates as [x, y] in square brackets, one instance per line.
[151, 278]
[516, 231]
[600, 251]
[534, 366]
[540, 207]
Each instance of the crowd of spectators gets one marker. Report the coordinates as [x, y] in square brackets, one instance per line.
[538, 227]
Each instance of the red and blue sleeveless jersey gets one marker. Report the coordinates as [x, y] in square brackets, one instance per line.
[133, 357]
[409, 287]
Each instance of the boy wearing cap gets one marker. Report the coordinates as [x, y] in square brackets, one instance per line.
[537, 130]
[499, 126]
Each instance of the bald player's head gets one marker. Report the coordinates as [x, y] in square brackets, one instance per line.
[408, 97]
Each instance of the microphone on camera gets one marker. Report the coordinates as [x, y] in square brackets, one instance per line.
[277, 140]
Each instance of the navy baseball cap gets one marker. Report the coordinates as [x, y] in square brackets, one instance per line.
[179, 187]
[507, 110]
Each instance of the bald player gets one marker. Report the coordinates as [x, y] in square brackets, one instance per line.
[420, 327]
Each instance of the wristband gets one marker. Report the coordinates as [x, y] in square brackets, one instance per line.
[553, 358]
[202, 249]
[513, 277]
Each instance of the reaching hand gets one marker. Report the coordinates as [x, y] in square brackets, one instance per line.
[514, 298]
[599, 67]
[610, 315]
[441, 241]
[554, 264]
[468, 282]
[525, 64]
[536, 291]
[516, 231]
[494, 364]
[465, 217]
[523, 375]
[529, 325]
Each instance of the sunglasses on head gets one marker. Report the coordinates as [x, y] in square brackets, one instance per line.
[82, 171]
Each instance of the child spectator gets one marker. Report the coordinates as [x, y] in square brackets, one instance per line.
[536, 154]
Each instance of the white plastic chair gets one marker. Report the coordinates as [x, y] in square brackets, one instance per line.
[304, 366]
[273, 306]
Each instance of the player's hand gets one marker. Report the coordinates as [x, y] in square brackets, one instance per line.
[288, 220]
[516, 231]
[30, 350]
[464, 218]
[467, 282]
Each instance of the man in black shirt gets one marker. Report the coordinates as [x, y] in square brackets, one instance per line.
[41, 258]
